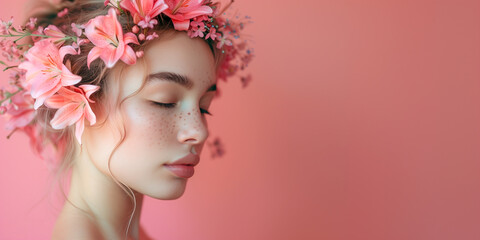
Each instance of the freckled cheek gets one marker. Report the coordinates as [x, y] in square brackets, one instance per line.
[150, 126]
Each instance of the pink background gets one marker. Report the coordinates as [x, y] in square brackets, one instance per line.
[362, 122]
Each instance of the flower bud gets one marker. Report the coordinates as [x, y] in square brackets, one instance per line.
[135, 29]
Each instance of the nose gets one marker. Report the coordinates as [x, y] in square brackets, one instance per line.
[193, 127]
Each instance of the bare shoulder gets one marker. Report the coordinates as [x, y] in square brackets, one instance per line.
[72, 224]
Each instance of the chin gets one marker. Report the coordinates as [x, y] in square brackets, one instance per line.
[168, 192]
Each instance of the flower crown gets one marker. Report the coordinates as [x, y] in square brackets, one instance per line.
[41, 74]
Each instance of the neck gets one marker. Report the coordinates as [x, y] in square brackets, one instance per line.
[107, 204]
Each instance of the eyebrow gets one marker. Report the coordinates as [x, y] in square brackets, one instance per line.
[177, 78]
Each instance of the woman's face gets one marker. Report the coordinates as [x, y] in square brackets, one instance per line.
[181, 74]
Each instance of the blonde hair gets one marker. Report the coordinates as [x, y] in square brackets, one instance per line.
[80, 12]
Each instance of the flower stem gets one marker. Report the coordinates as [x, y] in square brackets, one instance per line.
[11, 95]
[5, 69]
[11, 133]
[26, 34]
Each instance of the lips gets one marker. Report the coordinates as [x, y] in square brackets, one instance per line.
[184, 167]
[190, 159]
[183, 171]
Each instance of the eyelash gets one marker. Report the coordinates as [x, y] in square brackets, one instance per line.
[172, 105]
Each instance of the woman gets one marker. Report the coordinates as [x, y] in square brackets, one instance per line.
[143, 74]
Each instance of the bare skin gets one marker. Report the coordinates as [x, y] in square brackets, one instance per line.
[97, 207]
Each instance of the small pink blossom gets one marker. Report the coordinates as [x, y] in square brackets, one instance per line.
[63, 13]
[111, 45]
[181, 11]
[4, 26]
[80, 42]
[212, 34]
[77, 29]
[216, 147]
[197, 24]
[144, 11]
[73, 104]
[14, 77]
[147, 22]
[141, 37]
[20, 79]
[139, 54]
[246, 80]
[31, 23]
[196, 29]
[201, 18]
[3, 30]
[9, 49]
[45, 71]
[152, 36]
[38, 31]
[224, 41]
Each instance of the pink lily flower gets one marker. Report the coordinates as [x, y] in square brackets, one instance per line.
[144, 11]
[105, 32]
[45, 71]
[73, 107]
[181, 11]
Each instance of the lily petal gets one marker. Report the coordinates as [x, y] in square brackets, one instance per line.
[54, 31]
[90, 115]
[146, 5]
[43, 83]
[202, 10]
[68, 78]
[129, 6]
[111, 56]
[130, 38]
[56, 101]
[129, 56]
[89, 89]
[79, 127]
[71, 95]
[158, 8]
[181, 25]
[92, 55]
[66, 50]
[67, 115]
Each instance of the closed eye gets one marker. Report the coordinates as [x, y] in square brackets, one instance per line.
[165, 105]
[172, 105]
